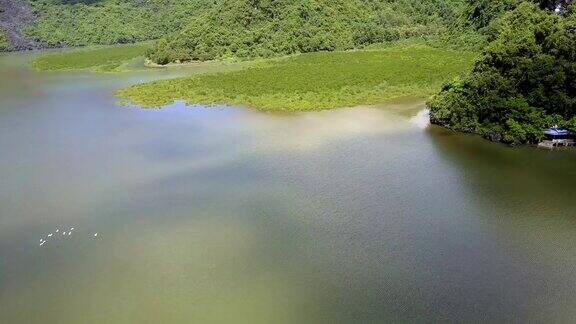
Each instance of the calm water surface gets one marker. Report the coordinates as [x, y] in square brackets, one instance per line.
[229, 215]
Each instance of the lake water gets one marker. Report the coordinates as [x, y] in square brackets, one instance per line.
[229, 215]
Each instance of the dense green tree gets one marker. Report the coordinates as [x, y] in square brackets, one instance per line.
[88, 22]
[525, 81]
[481, 13]
[263, 28]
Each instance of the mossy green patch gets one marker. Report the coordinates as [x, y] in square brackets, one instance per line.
[102, 59]
[4, 45]
[316, 81]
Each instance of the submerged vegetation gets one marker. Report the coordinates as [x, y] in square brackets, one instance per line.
[102, 59]
[525, 80]
[316, 81]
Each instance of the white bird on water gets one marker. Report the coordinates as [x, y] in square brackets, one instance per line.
[57, 230]
[42, 243]
[69, 233]
[95, 234]
[71, 228]
[50, 235]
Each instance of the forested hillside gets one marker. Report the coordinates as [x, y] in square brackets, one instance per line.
[263, 28]
[526, 79]
[86, 22]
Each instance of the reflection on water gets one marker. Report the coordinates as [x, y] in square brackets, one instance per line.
[308, 131]
[219, 215]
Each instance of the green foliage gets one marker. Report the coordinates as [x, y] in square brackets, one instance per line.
[102, 59]
[89, 22]
[316, 81]
[478, 21]
[481, 14]
[265, 28]
[4, 45]
[524, 82]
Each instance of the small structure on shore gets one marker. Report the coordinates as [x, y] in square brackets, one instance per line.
[557, 137]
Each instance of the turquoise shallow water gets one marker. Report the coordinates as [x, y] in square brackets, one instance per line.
[228, 215]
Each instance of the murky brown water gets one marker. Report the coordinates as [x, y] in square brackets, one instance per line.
[228, 215]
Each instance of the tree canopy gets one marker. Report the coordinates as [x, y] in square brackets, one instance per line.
[263, 28]
[524, 82]
[89, 22]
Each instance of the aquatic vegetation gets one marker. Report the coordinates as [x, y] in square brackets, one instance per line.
[316, 81]
[110, 58]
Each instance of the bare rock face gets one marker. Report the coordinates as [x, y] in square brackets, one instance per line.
[14, 16]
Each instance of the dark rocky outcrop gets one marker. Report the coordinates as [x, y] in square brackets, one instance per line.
[14, 16]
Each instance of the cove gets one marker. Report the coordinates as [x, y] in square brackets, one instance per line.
[226, 214]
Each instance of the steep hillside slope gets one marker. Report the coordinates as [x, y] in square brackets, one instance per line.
[32, 24]
[88, 22]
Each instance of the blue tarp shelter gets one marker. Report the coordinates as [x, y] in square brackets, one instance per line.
[558, 133]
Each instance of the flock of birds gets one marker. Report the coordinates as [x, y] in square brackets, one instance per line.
[59, 233]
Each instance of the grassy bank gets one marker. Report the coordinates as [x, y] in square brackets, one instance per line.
[316, 81]
[104, 59]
